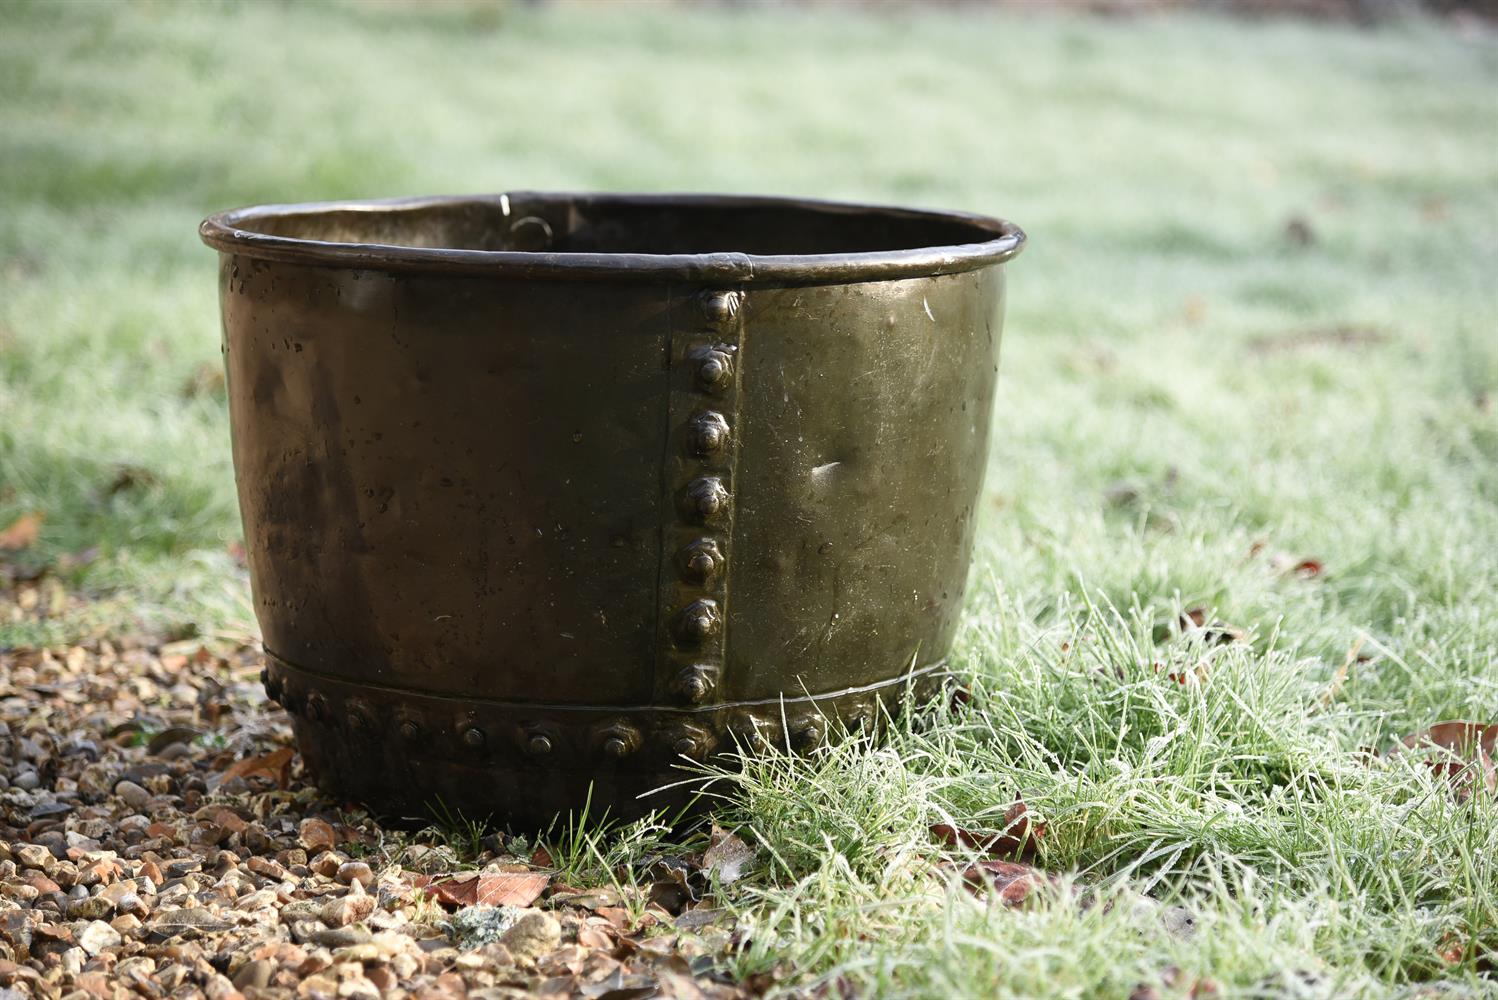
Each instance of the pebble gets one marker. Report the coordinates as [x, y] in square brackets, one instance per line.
[219, 987]
[347, 909]
[534, 934]
[96, 936]
[338, 937]
[383, 979]
[135, 796]
[36, 856]
[356, 871]
[90, 908]
[254, 975]
[327, 864]
[124, 898]
[126, 872]
[365, 952]
[301, 909]
[317, 986]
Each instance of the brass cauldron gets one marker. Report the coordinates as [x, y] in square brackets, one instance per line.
[544, 491]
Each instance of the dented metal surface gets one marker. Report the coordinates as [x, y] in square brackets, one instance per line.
[544, 491]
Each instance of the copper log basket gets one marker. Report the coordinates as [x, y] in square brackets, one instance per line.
[544, 494]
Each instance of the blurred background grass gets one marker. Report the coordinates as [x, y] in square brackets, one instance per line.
[1258, 304]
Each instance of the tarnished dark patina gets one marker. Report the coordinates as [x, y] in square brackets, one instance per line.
[543, 491]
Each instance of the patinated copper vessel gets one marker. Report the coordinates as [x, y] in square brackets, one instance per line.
[551, 491]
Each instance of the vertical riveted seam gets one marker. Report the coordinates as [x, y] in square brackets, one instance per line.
[702, 442]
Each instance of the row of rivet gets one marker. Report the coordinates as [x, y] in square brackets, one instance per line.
[705, 373]
[616, 737]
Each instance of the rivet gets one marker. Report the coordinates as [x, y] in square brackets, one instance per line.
[358, 721]
[714, 371]
[700, 561]
[272, 685]
[696, 682]
[720, 306]
[317, 707]
[749, 731]
[410, 731]
[705, 499]
[539, 745]
[618, 740]
[707, 434]
[699, 621]
[695, 688]
[700, 566]
[807, 734]
[685, 747]
[473, 738]
[531, 233]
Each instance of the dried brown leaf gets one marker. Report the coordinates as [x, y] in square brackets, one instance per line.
[726, 856]
[1194, 621]
[485, 888]
[1020, 837]
[1010, 882]
[274, 766]
[1455, 735]
[1308, 569]
[1465, 758]
[672, 893]
[130, 477]
[171, 735]
[595, 937]
[23, 532]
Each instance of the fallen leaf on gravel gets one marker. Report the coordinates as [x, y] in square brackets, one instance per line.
[191, 917]
[1019, 838]
[1466, 754]
[595, 937]
[726, 856]
[698, 917]
[23, 531]
[589, 899]
[485, 889]
[171, 735]
[276, 766]
[672, 894]
[616, 915]
[1011, 882]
